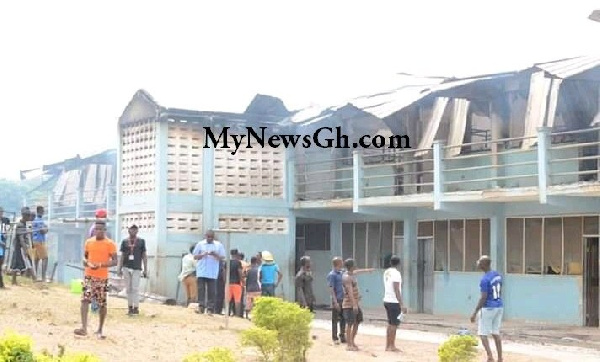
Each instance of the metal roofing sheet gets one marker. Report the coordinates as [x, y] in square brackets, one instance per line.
[384, 104]
[566, 68]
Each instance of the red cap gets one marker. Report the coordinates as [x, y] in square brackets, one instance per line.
[101, 213]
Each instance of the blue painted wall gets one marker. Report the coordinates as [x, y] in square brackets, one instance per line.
[456, 293]
[549, 298]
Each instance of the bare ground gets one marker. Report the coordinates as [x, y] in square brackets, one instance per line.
[50, 313]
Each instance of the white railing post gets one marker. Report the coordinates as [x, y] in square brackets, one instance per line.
[357, 179]
[543, 142]
[49, 209]
[438, 177]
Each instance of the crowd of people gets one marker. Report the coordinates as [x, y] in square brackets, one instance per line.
[29, 252]
[203, 275]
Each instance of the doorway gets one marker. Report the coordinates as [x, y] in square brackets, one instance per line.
[591, 282]
[425, 276]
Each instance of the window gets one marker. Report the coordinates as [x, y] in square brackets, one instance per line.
[371, 244]
[440, 245]
[550, 246]
[533, 246]
[514, 245]
[317, 237]
[457, 243]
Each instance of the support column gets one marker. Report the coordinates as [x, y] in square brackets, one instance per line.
[290, 177]
[160, 209]
[438, 177]
[119, 186]
[208, 188]
[335, 235]
[409, 258]
[543, 141]
[357, 179]
[498, 240]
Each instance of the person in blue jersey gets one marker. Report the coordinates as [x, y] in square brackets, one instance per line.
[490, 308]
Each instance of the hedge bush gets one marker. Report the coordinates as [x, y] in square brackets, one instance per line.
[19, 348]
[458, 349]
[216, 354]
[289, 322]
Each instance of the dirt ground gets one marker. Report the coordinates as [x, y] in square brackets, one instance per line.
[50, 313]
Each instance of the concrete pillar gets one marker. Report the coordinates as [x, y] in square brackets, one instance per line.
[335, 234]
[160, 213]
[543, 164]
[498, 239]
[290, 177]
[357, 179]
[409, 258]
[438, 177]
[208, 188]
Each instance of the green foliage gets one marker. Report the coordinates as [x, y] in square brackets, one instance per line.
[16, 348]
[289, 321]
[11, 197]
[458, 349]
[264, 340]
[216, 354]
[19, 348]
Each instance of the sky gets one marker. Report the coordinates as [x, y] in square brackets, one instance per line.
[69, 68]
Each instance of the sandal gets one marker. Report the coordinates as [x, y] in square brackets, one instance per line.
[99, 335]
[80, 332]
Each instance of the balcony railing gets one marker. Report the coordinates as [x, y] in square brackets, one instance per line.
[81, 204]
[324, 179]
[531, 163]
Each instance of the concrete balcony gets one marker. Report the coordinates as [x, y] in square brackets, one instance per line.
[81, 204]
[506, 170]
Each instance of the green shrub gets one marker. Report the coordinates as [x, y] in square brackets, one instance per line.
[19, 348]
[263, 339]
[16, 348]
[290, 322]
[216, 354]
[458, 349]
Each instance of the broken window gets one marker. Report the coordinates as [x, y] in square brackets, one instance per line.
[573, 245]
[514, 245]
[425, 229]
[347, 240]
[533, 246]
[485, 237]
[317, 237]
[370, 244]
[440, 230]
[472, 244]
[590, 225]
[553, 235]
[457, 245]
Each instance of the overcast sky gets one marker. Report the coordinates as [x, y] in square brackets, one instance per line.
[68, 69]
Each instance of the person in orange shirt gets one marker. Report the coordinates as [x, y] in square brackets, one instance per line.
[100, 253]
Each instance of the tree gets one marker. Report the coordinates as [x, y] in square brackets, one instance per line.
[11, 196]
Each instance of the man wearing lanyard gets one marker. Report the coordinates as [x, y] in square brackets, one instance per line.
[133, 254]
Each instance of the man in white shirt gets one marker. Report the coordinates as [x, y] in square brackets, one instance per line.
[392, 301]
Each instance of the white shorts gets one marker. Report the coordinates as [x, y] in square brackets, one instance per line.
[489, 321]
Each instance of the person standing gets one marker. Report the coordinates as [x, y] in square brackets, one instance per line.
[100, 253]
[209, 253]
[40, 248]
[392, 301]
[235, 282]
[252, 285]
[188, 276]
[269, 275]
[4, 225]
[133, 255]
[334, 281]
[350, 304]
[20, 259]
[490, 308]
[304, 285]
